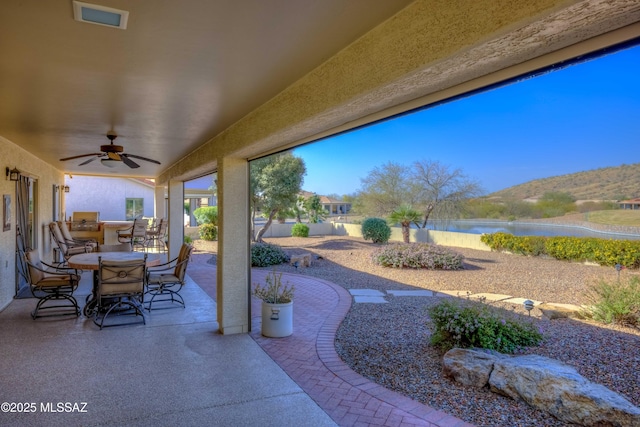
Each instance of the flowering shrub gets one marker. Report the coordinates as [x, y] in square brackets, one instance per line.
[602, 251]
[472, 324]
[300, 230]
[606, 252]
[617, 302]
[523, 245]
[376, 229]
[266, 254]
[418, 255]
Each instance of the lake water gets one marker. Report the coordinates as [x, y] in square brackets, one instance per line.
[525, 229]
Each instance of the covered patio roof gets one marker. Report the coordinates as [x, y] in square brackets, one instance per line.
[206, 86]
[187, 78]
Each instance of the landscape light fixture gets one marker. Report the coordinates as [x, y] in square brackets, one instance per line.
[619, 268]
[66, 188]
[13, 174]
[528, 305]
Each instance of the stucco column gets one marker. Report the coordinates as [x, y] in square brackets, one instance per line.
[234, 271]
[176, 217]
[160, 206]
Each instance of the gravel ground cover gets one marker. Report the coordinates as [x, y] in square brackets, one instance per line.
[389, 343]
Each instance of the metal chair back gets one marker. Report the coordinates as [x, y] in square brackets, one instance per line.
[120, 289]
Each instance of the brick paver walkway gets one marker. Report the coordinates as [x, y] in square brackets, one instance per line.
[310, 359]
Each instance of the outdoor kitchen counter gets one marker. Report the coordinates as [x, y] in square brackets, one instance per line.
[110, 230]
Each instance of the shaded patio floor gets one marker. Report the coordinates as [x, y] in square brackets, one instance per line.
[178, 370]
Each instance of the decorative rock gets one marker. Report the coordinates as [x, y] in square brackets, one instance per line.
[302, 260]
[468, 367]
[560, 311]
[558, 388]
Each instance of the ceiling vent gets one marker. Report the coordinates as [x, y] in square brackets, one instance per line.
[100, 15]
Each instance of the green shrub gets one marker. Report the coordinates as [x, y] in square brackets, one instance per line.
[188, 240]
[376, 230]
[606, 252]
[208, 231]
[523, 245]
[300, 230]
[418, 255]
[602, 251]
[471, 324]
[617, 302]
[206, 215]
[266, 254]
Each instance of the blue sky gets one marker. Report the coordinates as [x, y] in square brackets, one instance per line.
[584, 117]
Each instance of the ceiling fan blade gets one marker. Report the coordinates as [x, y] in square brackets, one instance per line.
[144, 158]
[81, 155]
[114, 156]
[127, 161]
[90, 160]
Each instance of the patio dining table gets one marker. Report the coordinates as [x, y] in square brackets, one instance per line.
[90, 261]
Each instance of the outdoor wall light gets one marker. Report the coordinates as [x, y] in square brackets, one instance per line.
[66, 188]
[13, 174]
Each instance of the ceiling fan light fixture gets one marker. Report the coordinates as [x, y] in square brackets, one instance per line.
[110, 163]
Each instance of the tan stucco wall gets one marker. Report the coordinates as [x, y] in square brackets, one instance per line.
[47, 176]
[444, 238]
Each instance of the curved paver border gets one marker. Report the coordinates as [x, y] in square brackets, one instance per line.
[309, 357]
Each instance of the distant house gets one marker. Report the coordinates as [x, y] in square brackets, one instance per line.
[116, 199]
[630, 204]
[335, 207]
[122, 199]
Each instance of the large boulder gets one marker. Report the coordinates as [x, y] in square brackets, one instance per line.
[468, 367]
[558, 388]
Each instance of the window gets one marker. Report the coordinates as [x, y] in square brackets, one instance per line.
[134, 208]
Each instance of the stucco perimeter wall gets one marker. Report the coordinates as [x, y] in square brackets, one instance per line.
[284, 230]
[46, 176]
[444, 238]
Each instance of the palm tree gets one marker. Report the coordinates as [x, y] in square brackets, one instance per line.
[405, 215]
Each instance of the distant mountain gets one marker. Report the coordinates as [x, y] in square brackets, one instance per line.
[613, 183]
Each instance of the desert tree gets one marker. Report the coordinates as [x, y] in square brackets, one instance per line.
[275, 183]
[384, 189]
[314, 209]
[441, 190]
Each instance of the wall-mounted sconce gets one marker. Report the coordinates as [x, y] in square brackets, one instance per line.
[13, 174]
[66, 188]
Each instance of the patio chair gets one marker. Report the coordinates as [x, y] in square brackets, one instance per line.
[70, 240]
[156, 235]
[121, 247]
[52, 286]
[165, 281]
[119, 291]
[66, 248]
[136, 235]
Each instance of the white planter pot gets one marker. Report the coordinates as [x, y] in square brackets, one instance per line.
[277, 319]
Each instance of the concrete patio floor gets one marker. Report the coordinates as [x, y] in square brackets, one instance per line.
[175, 370]
[178, 370]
